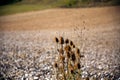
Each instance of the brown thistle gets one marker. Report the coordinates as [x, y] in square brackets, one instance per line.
[73, 46]
[78, 65]
[71, 71]
[67, 48]
[55, 65]
[63, 58]
[61, 40]
[68, 60]
[71, 43]
[73, 57]
[78, 51]
[56, 40]
[67, 41]
[68, 55]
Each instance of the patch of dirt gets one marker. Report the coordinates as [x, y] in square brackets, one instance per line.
[59, 19]
[29, 37]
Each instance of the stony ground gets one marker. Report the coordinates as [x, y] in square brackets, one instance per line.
[27, 46]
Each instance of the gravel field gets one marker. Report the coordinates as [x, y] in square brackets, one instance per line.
[28, 52]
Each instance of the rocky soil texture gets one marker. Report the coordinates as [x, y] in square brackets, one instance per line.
[27, 47]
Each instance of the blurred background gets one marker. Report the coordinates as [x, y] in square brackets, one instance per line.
[16, 6]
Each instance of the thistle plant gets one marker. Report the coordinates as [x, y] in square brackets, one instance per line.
[67, 66]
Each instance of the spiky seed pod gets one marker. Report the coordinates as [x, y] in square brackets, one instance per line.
[67, 48]
[63, 58]
[77, 51]
[78, 65]
[73, 46]
[73, 57]
[56, 65]
[68, 55]
[56, 40]
[71, 71]
[71, 43]
[61, 40]
[67, 41]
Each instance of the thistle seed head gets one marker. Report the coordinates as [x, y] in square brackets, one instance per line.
[71, 43]
[68, 55]
[55, 65]
[73, 57]
[56, 40]
[77, 51]
[67, 41]
[61, 40]
[71, 71]
[73, 46]
[67, 48]
[63, 58]
[78, 65]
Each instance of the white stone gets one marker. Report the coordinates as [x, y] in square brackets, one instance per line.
[35, 78]
[84, 74]
[26, 75]
[102, 79]
[100, 67]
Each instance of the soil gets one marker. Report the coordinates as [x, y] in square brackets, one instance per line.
[96, 31]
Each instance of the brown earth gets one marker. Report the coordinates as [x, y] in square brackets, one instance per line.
[33, 32]
[58, 19]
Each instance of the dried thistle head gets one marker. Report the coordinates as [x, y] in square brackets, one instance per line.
[71, 70]
[73, 46]
[56, 40]
[61, 40]
[68, 55]
[67, 48]
[71, 43]
[56, 65]
[78, 65]
[73, 57]
[63, 58]
[67, 41]
[77, 51]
